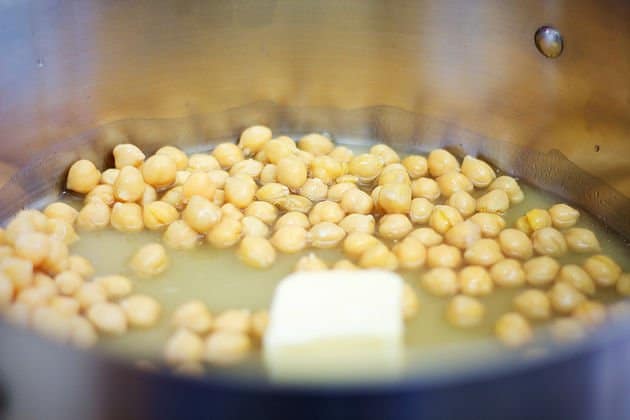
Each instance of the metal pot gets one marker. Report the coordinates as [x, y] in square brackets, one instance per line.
[551, 106]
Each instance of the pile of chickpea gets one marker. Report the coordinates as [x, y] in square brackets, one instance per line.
[269, 194]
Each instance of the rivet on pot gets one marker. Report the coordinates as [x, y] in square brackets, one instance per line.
[549, 41]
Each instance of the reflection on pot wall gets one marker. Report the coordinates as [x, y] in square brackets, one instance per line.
[70, 66]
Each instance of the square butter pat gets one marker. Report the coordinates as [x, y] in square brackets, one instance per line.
[335, 325]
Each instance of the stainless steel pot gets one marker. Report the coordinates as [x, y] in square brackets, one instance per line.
[467, 74]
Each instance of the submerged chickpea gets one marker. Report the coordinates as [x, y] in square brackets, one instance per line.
[316, 144]
[108, 177]
[291, 172]
[32, 246]
[495, 201]
[564, 297]
[226, 233]
[81, 265]
[416, 166]
[142, 311]
[507, 273]
[94, 215]
[444, 256]
[378, 256]
[491, 224]
[90, 294]
[464, 311]
[410, 302]
[108, 318]
[538, 219]
[150, 260]
[264, 211]
[293, 218]
[358, 223]
[193, 316]
[159, 214]
[511, 188]
[179, 235]
[420, 210]
[590, 313]
[226, 347]
[115, 286]
[254, 138]
[575, 276]
[516, 244]
[326, 235]
[463, 234]
[444, 218]
[104, 193]
[180, 158]
[25, 221]
[253, 226]
[175, 197]
[64, 305]
[50, 323]
[62, 231]
[463, 202]
[394, 198]
[522, 224]
[127, 155]
[82, 177]
[549, 241]
[159, 171]
[198, 183]
[315, 190]
[310, 262]
[289, 239]
[427, 236]
[272, 192]
[345, 264]
[57, 259]
[183, 346]
[240, 191]
[256, 252]
[441, 161]
[326, 211]
[484, 252]
[201, 214]
[602, 269]
[129, 185]
[540, 271]
[357, 243]
[425, 188]
[533, 304]
[356, 201]
[341, 154]
[410, 252]
[567, 329]
[61, 211]
[475, 281]
[366, 166]
[582, 241]
[440, 281]
[452, 182]
[294, 202]
[127, 217]
[227, 154]
[513, 330]
[563, 216]
[478, 171]
[394, 226]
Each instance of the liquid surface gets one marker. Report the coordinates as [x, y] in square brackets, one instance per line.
[218, 278]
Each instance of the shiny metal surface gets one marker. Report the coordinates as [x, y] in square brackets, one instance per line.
[68, 66]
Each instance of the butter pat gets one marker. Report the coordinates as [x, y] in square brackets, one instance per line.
[335, 325]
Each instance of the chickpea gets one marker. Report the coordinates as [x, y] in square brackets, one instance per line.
[534, 304]
[347, 178]
[463, 234]
[410, 253]
[314, 189]
[623, 285]
[268, 174]
[484, 252]
[582, 241]
[464, 311]
[563, 216]
[310, 262]
[549, 241]
[343, 265]
[62, 231]
[6, 291]
[127, 155]
[564, 297]
[150, 260]
[32, 246]
[441, 161]
[108, 176]
[256, 252]
[142, 311]
[80, 265]
[259, 323]
[159, 214]
[226, 233]
[276, 149]
[590, 313]
[61, 211]
[82, 177]
[495, 201]
[82, 333]
[366, 166]
[230, 211]
[440, 281]
[200, 214]
[237, 320]
[475, 281]
[516, 244]
[149, 195]
[452, 182]
[227, 154]
[6, 251]
[18, 314]
[394, 198]
[193, 316]
[262, 210]
[394, 226]
[247, 167]
[64, 305]
[175, 197]
[444, 218]
[394, 173]
[253, 226]
[129, 185]
[183, 346]
[425, 188]
[57, 259]
[540, 271]
[341, 154]
[293, 218]
[33, 297]
[159, 171]
[127, 217]
[420, 210]
[327, 169]
[507, 273]
[25, 221]
[90, 294]
[104, 193]
[326, 211]
[115, 286]
[253, 139]
[602, 269]
[357, 243]
[463, 202]
[219, 198]
[575, 276]
[523, 225]
[444, 256]
[198, 183]
[358, 223]
[416, 166]
[513, 330]
[316, 144]
[108, 318]
[289, 239]
[356, 201]
[511, 188]
[567, 329]
[410, 302]
[179, 235]
[427, 236]
[291, 172]
[50, 323]
[18, 270]
[326, 235]
[386, 153]
[478, 171]
[376, 192]
[538, 219]
[378, 256]
[491, 224]
[272, 192]
[217, 177]
[226, 347]
[176, 155]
